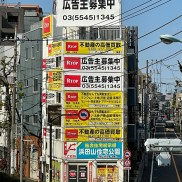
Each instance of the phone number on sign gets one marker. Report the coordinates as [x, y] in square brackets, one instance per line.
[88, 17]
[92, 85]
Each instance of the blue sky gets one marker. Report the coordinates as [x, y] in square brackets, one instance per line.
[150, 20]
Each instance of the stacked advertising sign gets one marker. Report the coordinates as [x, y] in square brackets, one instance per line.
[87, 12]
[93, 80]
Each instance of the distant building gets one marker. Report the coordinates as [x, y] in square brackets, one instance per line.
[21, 15]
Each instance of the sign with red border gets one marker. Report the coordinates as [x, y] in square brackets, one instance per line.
[84, 114]
[127, 163]
[127, 154]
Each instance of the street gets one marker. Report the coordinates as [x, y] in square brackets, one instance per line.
[155, 173]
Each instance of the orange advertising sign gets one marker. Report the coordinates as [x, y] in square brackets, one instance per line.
[47, 26]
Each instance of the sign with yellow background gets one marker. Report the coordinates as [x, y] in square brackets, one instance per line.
[98, 117]
[102, 100]
[55, 79]
[55, 49]
[109, 173]
[92, 134]
[93, 47]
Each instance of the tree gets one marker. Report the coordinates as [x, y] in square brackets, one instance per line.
[6, 69]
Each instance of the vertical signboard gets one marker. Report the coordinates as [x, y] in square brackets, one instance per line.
[90, 171]
[82, 173]
[55, 79]
[65, 172]
[47, 26]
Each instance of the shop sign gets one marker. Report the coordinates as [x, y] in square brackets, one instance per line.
[65, 171]
[43, 63]
[91, 99]
[95, 63]
[72, 173]
[93, 134]
[82, 176]
[50, 63]
[47, 26]
[44, 98]
[55, 79]
[97, 117]
[51, 97]
[89, 13]
[93, 150]
[55, 48]
[99, 150]
[93, 47]
[90, 81]
[90, 171]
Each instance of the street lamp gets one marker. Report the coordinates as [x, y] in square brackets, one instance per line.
[169, 39]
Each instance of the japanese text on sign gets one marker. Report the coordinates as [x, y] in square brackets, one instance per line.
[74, 13]
[55, 48]
[92, 99]
[90, 47]
[89, 81]
[89, 134]
[55, 80]
[100, 150]
[87, 4]
[98, 117]
[100, 63]
[92, 150]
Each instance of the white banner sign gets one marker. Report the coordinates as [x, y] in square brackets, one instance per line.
[51, 97]
[90, 81]
[97, 63]
[88, 12]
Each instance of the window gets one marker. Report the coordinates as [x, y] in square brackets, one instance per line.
[58, 133]
[26, 53]
[35, 84]
[33, 52]
[12, 19]
[27, 118]
[38, 47]
[58, 61]
[35, 119]
[58, 97]
[26, 83]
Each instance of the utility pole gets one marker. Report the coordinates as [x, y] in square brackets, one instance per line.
[21, 143]
[13, 105]
[146, 111]
[146, 103]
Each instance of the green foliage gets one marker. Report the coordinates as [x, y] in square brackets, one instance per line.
[20, 90]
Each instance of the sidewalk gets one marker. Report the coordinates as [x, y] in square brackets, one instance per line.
[28, 180]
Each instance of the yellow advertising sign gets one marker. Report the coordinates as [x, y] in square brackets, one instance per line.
[92, 134]
[98, 117]
[55, 48]
[77, 99]
[55, 79]
[93, 47]
[108, 173]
